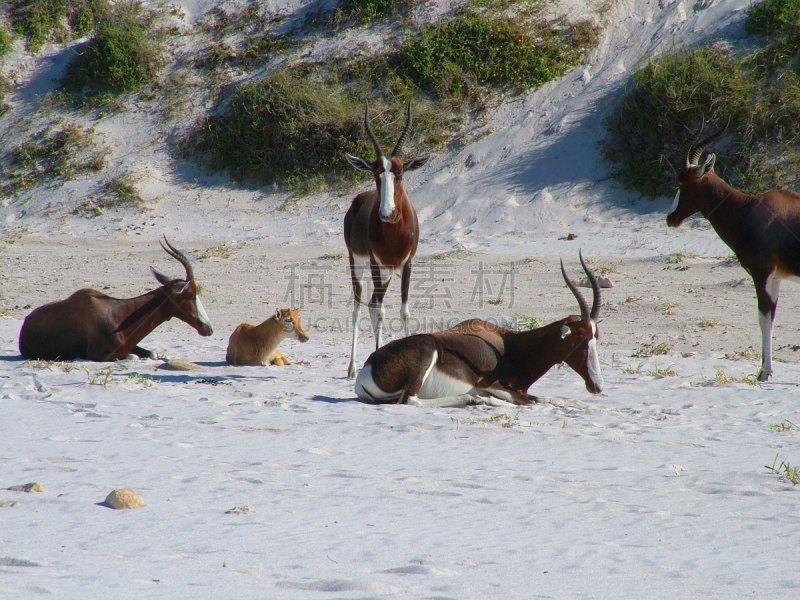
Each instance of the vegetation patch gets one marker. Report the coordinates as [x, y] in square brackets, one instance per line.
[6, 39]
[5, 87]
[62, 20]
[60, 151]
[123, 55]
[293, 127]
[116, 192]
[757, 89]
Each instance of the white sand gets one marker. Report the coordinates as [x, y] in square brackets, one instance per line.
[654, 489]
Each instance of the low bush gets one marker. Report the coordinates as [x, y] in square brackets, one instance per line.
[6, 40]
[294, 127]
[39, 19]
[123, 55]
[758, 90]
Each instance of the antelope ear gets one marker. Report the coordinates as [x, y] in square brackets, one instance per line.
[179, 286]
[416, 162]
[277, 314]
[359, 163]
[709, 164]
[565, 331]
[160, 277]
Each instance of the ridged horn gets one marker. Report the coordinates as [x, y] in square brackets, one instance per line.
[701, 146]
[180, 257]
[578, 296]
[404, 135]
[596, 302]
[378, 149]
[693, 142]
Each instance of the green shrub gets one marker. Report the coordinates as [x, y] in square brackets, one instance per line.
[38, 19]
[294, 127]
[758, 91]
[123, 55]
[772, 16]
[6, 40]
[368, 10]
[492, 50]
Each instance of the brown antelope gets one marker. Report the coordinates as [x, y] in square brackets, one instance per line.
[381, 232]
[258, 344]
[763, 231]
[94, 326]
[478, 358]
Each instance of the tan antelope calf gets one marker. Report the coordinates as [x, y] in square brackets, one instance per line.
[257, 345]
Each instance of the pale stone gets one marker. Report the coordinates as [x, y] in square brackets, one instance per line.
[123, 499]
[180, 365]
[603, 282]
[28, 487]
[8, 503]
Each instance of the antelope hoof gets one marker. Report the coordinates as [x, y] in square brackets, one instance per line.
[763, 374]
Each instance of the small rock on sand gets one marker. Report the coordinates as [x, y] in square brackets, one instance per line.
[123, 499]
[4, 503]
[240, 510]
[28, 487]
[603, 282]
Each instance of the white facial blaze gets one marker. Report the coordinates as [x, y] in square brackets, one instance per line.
[387, 190]
[201, 313]
[675, 202]
[593, 361]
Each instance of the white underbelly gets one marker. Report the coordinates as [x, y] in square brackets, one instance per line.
[441, 385]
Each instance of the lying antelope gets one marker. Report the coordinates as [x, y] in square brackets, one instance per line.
[94, 326]
[381, 232]
[763, 231]
[258, 344]
[477, 358]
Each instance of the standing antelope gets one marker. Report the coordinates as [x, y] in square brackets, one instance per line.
[94, 326]
[763, 231]
[381, 232]
[477, 358]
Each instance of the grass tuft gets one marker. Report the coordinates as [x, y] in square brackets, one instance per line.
[116, 192]
[647, 350]
[784, 470]
[524, 322]
[57, 152]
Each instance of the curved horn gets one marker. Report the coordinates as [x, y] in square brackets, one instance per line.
[595, 289]
[378, 149]
[701, 146]
[403, 135]
[577, 294]
[180, 257]
[691, 144]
